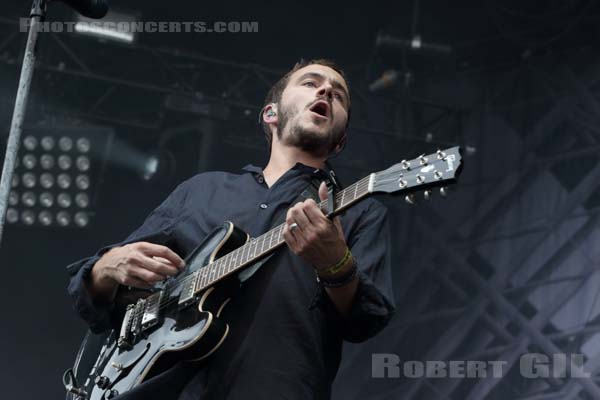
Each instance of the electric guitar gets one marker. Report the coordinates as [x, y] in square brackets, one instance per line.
[181, 321]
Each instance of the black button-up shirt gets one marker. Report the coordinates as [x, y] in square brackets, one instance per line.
[285, 334]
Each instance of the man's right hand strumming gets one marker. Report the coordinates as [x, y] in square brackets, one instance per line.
[139, 265]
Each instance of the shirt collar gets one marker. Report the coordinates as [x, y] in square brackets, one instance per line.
[321, 173]
[298, 166]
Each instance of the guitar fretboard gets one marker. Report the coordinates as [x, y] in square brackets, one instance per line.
[263, 245]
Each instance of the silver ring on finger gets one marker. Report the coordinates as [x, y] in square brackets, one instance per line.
[293, 226]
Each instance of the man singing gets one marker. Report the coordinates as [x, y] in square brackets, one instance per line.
[287, 322]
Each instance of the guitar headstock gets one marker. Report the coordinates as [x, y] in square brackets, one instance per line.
[422, 173]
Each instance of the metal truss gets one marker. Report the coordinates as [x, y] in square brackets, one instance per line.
[492, 323]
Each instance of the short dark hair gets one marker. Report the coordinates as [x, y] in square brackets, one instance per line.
[275, 93]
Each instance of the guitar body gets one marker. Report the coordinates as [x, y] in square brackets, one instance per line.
[190, 333]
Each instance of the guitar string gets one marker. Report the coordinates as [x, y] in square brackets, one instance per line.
[165, 302]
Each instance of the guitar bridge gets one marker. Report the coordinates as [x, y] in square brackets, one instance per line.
[124, 340]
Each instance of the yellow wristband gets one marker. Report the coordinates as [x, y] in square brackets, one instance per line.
[337, 267]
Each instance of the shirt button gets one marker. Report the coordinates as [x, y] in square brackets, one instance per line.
[263, 206]
[261, 179]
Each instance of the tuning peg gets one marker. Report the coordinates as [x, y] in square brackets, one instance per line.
[438, 175]
[444, 191]
[410, 199]
[441, 155]
[405, 164]
[402, 183]
[427, 195]
[420, 179]
[422, 159]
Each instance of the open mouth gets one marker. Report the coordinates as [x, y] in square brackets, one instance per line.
[321, 108]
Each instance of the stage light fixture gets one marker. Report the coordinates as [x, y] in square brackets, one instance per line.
[52, 185]
[118, 26]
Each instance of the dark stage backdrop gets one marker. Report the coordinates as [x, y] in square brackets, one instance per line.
[505, 266]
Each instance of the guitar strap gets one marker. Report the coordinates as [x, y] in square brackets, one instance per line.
[311, 191]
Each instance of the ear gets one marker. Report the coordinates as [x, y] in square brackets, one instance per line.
[269, 113]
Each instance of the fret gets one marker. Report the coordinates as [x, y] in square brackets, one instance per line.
[343, 195]
[219, 268]
[223, 269]
[215, 273]
[261, 243]
[253, 251]
[235, 256]
[226, 267]
[228, 262]
[245, 253]
[199, 285]
[211, 274]
[250, 254]
[270, 234]
[241, 257]
[204, 277]
[355, 190]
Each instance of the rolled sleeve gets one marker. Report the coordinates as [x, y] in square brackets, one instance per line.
[372, 305]
[155, 229]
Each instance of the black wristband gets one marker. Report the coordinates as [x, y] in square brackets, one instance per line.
[341, 280]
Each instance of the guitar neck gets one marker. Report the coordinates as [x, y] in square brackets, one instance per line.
[265, 244]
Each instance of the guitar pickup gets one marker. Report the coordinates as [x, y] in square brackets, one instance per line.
[151, 311]
[186, 297]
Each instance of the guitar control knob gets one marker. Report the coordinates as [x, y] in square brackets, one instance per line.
[102, 382]
[111, 394]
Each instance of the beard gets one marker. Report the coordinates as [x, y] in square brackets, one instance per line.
[305, 139]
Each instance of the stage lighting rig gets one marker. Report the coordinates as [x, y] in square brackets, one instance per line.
[55, 182]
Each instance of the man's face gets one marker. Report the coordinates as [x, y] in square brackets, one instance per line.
[313, 110]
